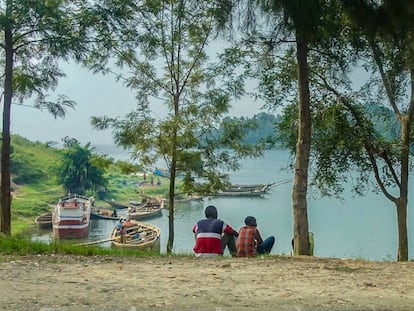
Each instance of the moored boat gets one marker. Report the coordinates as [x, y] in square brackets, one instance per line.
[71, 217]
[246, 188]
[251, 193]
[116, 205]
[103, 213]
[134, 234]
[145, 211]
[44, 221]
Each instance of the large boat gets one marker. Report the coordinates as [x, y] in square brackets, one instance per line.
[134, 234]
[71, 217]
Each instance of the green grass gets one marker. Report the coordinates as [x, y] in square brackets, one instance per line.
[23, 246]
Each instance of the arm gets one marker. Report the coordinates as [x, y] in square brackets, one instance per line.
[229, 230]
[258, 237]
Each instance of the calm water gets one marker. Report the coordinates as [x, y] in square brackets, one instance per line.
[362, 227]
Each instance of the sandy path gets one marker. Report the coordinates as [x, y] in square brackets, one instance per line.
[187, 283]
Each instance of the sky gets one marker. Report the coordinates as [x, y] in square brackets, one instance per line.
[95, 95]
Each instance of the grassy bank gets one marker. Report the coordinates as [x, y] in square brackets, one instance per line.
[36, 190]
[23, 246]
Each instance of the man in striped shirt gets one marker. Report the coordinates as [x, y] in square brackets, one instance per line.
[213, 235]
[250, 242]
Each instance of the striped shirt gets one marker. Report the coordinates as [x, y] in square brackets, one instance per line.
[208, 237]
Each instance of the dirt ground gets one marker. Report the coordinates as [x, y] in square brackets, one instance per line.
[48, 283]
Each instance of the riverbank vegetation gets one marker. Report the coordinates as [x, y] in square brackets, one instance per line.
[36, 186]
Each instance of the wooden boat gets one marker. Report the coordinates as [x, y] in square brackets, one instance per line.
[71, 217]
[116, 205]
[145, 211]
[244, 188]
[134, 203]
[146, 199]
[250, 193]
[44, 221]
[253, 189]
[134, 234]
[103, 213]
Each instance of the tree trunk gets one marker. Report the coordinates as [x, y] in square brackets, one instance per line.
[300, 185]
[171, 193]
[401, 203]
[5, 147]
[402, 231]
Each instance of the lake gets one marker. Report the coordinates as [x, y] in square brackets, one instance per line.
[360, 227]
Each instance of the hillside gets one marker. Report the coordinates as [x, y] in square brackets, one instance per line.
[34, 167]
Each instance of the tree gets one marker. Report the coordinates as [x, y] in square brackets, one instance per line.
[35, 34]
[305, 22]
[166, 52]
[386, 29]
[345, 136]
[82, 170]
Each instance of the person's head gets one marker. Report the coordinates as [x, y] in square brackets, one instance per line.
[250, 221]
[211, 212]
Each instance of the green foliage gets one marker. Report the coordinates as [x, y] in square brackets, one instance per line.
[193, 134]
[28, 167]
[81, 171]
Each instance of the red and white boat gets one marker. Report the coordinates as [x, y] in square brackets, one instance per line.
[71, 217]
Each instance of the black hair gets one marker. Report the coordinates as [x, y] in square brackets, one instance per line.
[250, 221]
[211, 212]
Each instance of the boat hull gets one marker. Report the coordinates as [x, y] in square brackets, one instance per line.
[145, 214]
[241, 194]
[148, 236]
[71, 231]
[44, 221]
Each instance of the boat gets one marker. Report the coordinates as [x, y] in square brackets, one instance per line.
[44, 221]
[116, 205]
[244, 188]
[103, 213]
[145, 211]
[251, 193]
[71, 217]
[134, 234]
[251, 189]
[135, 203]
[145, 200]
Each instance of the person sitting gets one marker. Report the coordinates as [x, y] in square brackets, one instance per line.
[250, 242]
[213, 235]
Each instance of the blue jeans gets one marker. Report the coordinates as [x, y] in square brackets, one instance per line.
[266, 246]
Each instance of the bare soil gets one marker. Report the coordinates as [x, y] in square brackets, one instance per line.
[47, 282]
